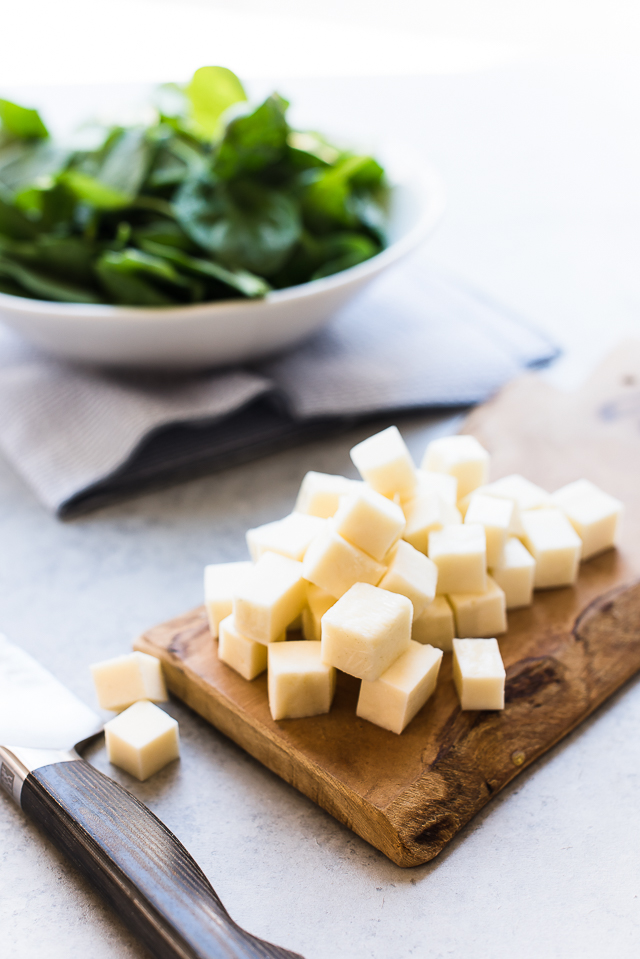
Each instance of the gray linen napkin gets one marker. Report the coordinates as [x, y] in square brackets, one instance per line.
[415, 339]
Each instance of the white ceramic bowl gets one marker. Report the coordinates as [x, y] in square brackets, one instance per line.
[234, 331]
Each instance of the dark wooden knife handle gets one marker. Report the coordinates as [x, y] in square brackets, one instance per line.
[137, 864]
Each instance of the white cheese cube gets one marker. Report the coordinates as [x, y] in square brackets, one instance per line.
[124, 680]
[435, 625]
[519, 490]
[555, 546]
[366, 630]
[300, 684]
[425, 513]
[289, 536]
[460, 553]
[478, 673]
[443, 484]
[495, 516]
[593, 514]
[384, 462]
[460, 456]
[411, 574]
[270, 598]
[480, 614]
[241, 653]
[515, 574]
[142, 740]
[392, 700]
[320, 494]
[221, 580]
[370, 521]
[318, 602]
[335, 565]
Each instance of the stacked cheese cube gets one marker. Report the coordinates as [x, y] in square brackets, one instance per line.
[386, 573]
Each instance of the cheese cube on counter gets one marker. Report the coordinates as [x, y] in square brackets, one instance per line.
[593, 514]
[335, 565]
[220, 583]
[300, 684]
[555, 546]
[478, 673]
[435, 625]
[320, 494]
[124, 680]
[370, 521]
[392, 700]
[411, 574]
[289, 536]
[366, 630]
[460, 553]
[460, 456]
[271, 596]
[142, 740]
[480, 614]
[515, 574]
[384, 462]
[318, 602]
[425, 513]
[240, 653]
[495, 516]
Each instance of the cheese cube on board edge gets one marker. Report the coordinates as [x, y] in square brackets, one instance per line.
[594, 514]
[142, 740]
[393, 700]
[478, 673]
[299, 683]
[124, 680]
[244, 655]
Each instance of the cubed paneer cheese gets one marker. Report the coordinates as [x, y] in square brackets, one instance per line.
[289, 536]
[320, 494]
[425, 513]
[593, 514]
[520, 491]
[142, 740]
[411, 574]
[335, 565]
[318, 602]
[270, 598]
[443, 484]
[220, 583]
[384, 462]
[435, 625]
[478, 673]
[515, 574]
[392, 700]
[366, 630]
[495, 516]
[241, 653]
[460, 456]
[480, 614]
[124, 680]
[300, 684]
[370, 521]
[555, 546]
[460, 553]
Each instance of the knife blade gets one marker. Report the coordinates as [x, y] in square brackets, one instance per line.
[136, 863]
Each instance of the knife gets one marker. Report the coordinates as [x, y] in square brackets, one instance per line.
[135, 862]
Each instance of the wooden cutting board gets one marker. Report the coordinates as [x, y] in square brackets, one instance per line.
[410, 794]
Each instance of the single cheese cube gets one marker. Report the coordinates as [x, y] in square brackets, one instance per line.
[555, 546]
[142, 740]
[244, 655]
[124, 680]
[519, 491]
[460, 553]
[443, 484]
[515, 574]
[384, 462]
[318, 602]
[435, 625]
[411, 574]
[392, 700]
[289, 536]
[460, 456]
[221, 580]
[593, 514]
[335, 565]
[271, 596]
[480, 614]
[320, 494]
[495, 516]
[366, 630]
[300, 684]
[425, 513]
[370, 521]
[478, 673]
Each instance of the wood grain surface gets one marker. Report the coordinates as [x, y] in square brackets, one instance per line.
[409, 795]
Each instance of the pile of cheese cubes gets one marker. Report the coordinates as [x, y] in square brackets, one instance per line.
[386, 573]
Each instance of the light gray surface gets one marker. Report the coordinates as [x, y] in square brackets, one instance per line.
[544, 213]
